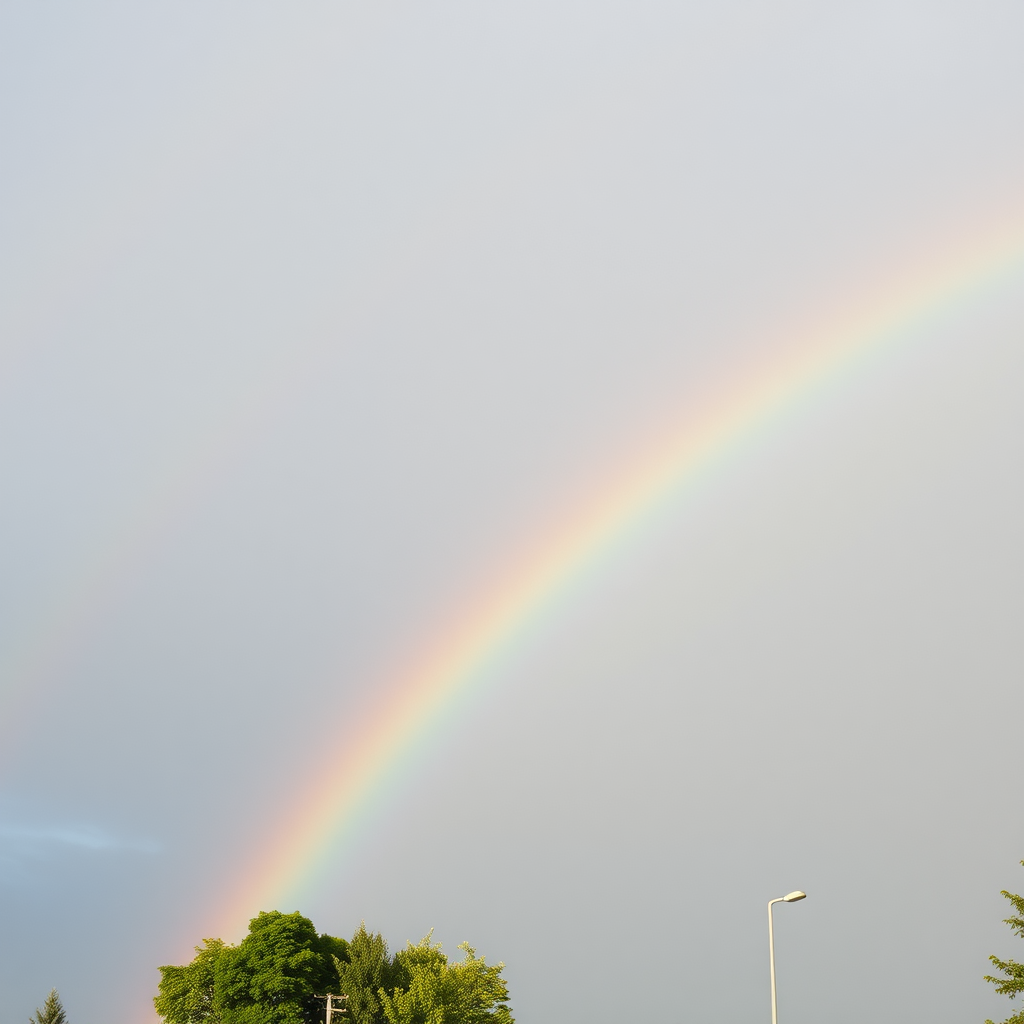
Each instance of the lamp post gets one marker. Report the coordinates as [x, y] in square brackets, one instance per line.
[793, 897]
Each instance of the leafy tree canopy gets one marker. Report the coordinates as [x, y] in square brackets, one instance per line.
[52, 1011]
[188, 993]
[274, 975]
[368, 970]
[271, 977]
[1012, 982]
[433, 991]
[281, 970]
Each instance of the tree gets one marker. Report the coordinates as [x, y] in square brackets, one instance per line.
[1012, 982]
[367, 971]
[274, 975]
[482, 991]
[52, 1011]
[431, 990]
[188, 994]
[279, 973]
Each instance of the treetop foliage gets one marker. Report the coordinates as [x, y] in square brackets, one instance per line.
[282, 970]
[1012, 982]
[367, 972]
[52, 1011]
[439, 992]
[273, 976]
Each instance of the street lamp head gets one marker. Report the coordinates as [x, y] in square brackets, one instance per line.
[794, 897]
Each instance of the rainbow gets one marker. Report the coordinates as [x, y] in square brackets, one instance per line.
[348, 788]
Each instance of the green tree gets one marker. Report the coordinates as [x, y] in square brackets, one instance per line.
[1012, 982]
[274, 975]
[279, 973]
[367, 971]
[52, 1011]
[431, 990]
[188, 993]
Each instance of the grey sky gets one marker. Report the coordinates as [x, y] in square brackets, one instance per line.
[315, 320]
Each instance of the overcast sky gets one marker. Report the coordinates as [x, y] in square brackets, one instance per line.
[317, 319]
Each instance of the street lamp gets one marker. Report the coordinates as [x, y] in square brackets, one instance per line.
[793, 897]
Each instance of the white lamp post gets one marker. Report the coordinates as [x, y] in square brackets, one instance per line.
[793, 897]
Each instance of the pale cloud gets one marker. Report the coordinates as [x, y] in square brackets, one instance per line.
[85, 837]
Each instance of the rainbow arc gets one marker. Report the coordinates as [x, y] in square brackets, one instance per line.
[346, 789]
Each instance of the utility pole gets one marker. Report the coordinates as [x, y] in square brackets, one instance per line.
[331, 1008]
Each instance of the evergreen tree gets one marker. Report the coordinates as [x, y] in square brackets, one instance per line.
[1012, 982]
[52, 1011]
[368, 970]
